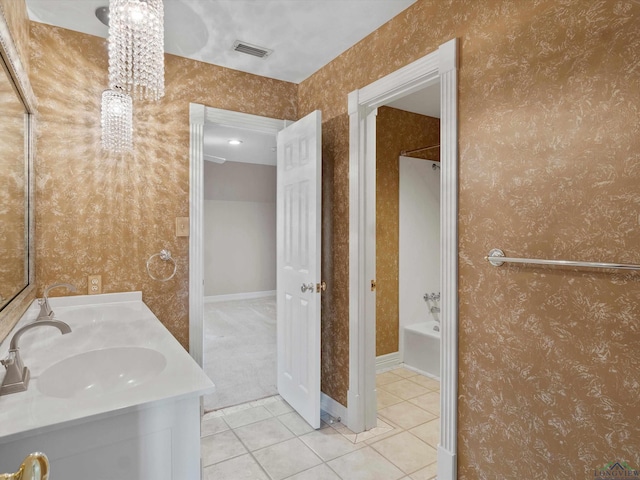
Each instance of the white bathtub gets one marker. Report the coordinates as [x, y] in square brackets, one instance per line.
[422, 347]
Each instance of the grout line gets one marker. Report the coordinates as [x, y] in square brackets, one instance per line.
[397, 429]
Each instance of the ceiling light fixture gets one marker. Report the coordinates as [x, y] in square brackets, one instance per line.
[117, 121]
[136, 47]
[235, 141]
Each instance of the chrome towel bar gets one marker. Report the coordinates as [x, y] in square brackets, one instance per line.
[496, 258]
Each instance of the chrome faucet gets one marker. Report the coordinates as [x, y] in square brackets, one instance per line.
[17, 376]
[45, 310]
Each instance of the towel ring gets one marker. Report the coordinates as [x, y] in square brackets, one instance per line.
[164, 255]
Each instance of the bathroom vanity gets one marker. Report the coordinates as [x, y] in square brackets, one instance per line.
[116, 398]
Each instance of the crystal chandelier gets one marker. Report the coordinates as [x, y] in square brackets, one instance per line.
[136, 47]
[117, 121]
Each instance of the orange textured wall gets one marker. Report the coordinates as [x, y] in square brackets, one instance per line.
[396, 130]
[549, 148]
[102, 215]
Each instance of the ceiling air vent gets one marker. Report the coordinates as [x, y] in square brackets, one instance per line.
[256, 51]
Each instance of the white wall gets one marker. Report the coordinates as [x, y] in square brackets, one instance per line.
[419, 243]
[239, 228]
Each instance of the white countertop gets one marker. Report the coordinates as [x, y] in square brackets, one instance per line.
[97, 322]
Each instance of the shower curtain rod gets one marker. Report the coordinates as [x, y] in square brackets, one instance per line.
[496, 258]
[404, 153]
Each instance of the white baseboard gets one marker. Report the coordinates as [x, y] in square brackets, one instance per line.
[421, 372]
[333, 408]
[390, 360]
[446, 464]
[239, 296]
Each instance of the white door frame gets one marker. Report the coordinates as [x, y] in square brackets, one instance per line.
[198, 116]
[440, 66]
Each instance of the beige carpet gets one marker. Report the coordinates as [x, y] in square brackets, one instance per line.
[240, 351]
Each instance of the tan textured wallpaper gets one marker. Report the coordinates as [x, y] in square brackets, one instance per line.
[549, 128]
[101, 215]
[15, 13]
[549, 151]
[396, 130]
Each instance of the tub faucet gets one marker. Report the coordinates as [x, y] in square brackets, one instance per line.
[45, 310]
[17, 376]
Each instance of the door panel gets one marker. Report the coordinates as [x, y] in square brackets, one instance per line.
[299, 217]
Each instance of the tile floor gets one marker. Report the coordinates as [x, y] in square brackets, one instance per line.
[266, 439]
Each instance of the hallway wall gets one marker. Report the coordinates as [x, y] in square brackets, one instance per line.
[239, 228]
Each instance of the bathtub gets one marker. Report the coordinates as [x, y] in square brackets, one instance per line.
[422, 348]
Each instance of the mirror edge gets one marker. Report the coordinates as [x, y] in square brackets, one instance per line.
[12, 312]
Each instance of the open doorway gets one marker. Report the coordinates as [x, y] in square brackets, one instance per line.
[231, 259]
[298, 214]
[439, 67]
[239, 209]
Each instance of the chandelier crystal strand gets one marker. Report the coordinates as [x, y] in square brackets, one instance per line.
[117, 121]
[136, 47]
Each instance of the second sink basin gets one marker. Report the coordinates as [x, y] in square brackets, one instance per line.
[100, 372]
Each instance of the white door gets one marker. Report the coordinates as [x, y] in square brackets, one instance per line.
[298, 218]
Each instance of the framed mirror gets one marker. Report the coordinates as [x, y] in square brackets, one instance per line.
[17, 118]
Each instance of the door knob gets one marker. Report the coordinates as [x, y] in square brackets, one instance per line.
[321, 287]
[307, 287]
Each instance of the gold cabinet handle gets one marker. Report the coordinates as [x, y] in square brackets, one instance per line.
[34, 467]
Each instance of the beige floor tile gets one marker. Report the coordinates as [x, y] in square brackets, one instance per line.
[404, 372]
[321, 472]
[212, 425]
[219, 447]
[406, 452]
[406, 415]
[387, 377]
[365, 464]
[376, 432]
[243, 467]
[428, 432]
[427, 473]
[384, 399]
[429, 401]
[405, 389]
[328, 443]
[426, 382]
[236, 408]
[287, 458]
[295, 423]
[278, 407]
[247, 416]
[262, 434]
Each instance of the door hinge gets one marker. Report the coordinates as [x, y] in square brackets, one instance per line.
[373, 285]
[321, 287]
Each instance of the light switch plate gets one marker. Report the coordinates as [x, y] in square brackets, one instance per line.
[182, 226]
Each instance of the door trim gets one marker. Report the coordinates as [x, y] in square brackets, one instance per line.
[199, 115]
[439, 66]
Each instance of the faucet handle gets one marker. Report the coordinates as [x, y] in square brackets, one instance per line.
[6, 362]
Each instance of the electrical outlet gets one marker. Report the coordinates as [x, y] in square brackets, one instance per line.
[95, 284]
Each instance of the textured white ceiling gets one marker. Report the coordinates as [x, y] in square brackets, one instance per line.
[305, 35]
[256, 147]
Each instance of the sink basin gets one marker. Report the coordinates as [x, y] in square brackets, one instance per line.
[99, 372]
